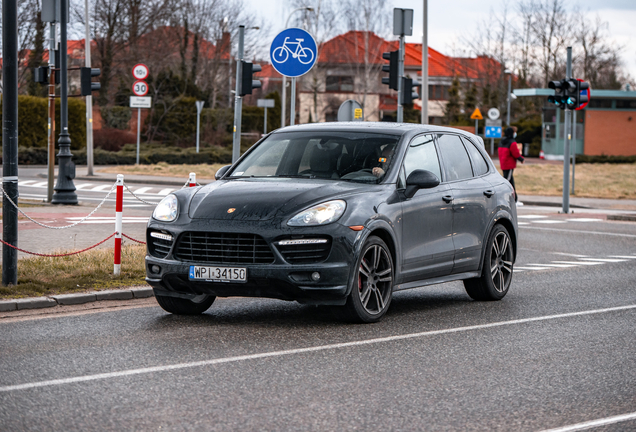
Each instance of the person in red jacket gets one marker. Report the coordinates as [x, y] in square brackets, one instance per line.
[508, 156]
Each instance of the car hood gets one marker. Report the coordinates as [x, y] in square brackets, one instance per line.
[263, 199]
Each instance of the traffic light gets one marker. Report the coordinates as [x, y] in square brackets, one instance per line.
[582, 93]
[391, 68]
[571, 93]
[87, 86]
[41, 75]
[247, 83]
[564, 93]
[407, 91]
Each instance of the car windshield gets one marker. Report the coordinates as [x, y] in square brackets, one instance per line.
[338, 155]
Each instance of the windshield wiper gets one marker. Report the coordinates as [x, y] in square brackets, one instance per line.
[310, 176]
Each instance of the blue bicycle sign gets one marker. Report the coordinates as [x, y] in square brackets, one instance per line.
[293, 52]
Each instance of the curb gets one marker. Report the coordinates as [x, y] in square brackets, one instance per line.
[552, 204]
[74, 299]
[622, 217]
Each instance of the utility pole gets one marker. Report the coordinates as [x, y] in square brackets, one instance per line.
[89, 98]
[64, 189]
[199, 109]
[10, 140]
[51, 137]
[424, 91]
[566, 142]
[238, 99]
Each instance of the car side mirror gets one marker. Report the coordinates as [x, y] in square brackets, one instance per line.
[221, 172]
[420, 179]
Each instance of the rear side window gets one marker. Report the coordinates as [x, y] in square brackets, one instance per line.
[480, 167]
[456, 162]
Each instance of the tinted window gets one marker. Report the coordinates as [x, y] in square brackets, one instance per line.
[422, 155]
[480, 167]
[456, 161]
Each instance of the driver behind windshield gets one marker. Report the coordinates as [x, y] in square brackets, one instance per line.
[384, 160]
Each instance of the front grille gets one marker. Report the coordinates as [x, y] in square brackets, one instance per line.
[223, 248]
[305, 253]
[158, 248]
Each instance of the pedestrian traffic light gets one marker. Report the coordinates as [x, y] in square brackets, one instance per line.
[87, 86]
[391, 68]
[247, 84]
[407, 91]
[41, 75]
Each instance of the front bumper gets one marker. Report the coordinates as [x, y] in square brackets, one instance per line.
[280, 279]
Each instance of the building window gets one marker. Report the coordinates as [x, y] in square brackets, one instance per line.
[625, 104]
[339, 84]
[438, 92]
[600, 103]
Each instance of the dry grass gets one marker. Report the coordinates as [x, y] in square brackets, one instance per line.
[615, 181]
[40, 276]
[163, 169]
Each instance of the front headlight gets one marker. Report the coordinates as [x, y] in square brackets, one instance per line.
[167, 210]
[320, 214]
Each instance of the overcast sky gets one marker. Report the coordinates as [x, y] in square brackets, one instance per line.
[452, 20]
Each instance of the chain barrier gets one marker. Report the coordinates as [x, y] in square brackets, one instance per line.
[62, 227]
[59, 255]
[135, 240]
[140, 199]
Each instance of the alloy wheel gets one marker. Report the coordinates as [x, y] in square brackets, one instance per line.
[501, 262]
[375, 277]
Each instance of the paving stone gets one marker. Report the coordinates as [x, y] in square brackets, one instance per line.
[73, 299]
[8, 305]
[35, 303]
[142, 292]
[114, 295]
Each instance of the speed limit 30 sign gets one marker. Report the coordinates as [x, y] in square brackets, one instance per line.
[140, 71]
[140, 88]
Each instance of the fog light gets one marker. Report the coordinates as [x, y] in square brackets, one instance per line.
[315, 276]
[155, 268]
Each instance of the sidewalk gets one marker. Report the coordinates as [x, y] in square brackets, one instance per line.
[578, 202]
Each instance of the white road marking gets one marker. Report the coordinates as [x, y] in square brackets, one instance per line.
[83, 185]
[113, 221]
[578, 262]
[142, 190]
[623, 256]
[532, 268]
[101, 188]
[594, 423]
[110, 218]
[319, 348]
[569, 254]
[552, 265]
[40, 184]
[581, 231]
[549, 221]
[584, 220]
[523, 223]
[605, 260]
[25, 182]
[165, 191]
[531, 216]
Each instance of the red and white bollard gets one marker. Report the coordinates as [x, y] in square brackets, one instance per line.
[119, 207]
[541, 155]
[192, 180]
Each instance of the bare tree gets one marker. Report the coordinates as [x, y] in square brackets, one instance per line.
[599, 61]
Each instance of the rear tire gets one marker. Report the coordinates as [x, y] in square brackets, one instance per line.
[496, 275]
[182, 306]
[372, 288]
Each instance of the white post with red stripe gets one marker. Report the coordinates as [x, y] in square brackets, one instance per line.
[192, 180]
[119, 206]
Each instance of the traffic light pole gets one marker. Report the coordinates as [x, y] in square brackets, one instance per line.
[51, 158]
[573, 149]
[566, 143]
[89, 98]
[238, 100]
[64, 188]
[400, 108]
[10, 140]
[424, 90]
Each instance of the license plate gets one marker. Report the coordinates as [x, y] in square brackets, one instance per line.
[218, 274]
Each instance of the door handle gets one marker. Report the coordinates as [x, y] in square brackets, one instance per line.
[489, 193]
[447, 198]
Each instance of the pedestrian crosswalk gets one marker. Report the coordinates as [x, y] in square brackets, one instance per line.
[94, 187]
[110, 220]
[583, 260]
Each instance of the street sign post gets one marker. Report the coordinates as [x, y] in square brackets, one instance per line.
[199, 109]
[493, 114]
[350, 110]
[140, 71]
[476, 115]
[293, 53]
[265, 103]
[140, 89]
[140, 102]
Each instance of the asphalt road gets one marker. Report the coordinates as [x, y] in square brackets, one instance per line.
[559, 350]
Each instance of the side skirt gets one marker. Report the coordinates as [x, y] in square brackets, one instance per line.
[437, 280]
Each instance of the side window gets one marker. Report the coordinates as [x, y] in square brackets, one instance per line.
[422, 155]
[480, 167]
[456, 161]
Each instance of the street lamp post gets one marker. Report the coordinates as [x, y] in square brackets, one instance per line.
[284, 95]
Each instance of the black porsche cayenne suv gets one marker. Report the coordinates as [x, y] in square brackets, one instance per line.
[338, 214]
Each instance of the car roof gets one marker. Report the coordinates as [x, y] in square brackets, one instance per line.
[379, 127]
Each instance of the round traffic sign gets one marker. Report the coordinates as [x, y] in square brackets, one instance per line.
[493, 113]
[140, 71]
[140, 88]
[293, 52]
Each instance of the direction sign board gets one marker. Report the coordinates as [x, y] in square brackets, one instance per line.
[140, 71]
[293, 52]
[265, 103]
[476, 115]
[140, 88]
[493, 113]
[493, 132]
[140, 102]
[497, 122]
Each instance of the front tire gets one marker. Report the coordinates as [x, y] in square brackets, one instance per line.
[182, 306]
[372, 288]
[496, 275]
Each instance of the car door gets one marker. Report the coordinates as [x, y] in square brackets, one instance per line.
[472, 198]
[427, 245]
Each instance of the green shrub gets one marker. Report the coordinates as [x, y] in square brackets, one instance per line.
[116, 117]
[605, 159]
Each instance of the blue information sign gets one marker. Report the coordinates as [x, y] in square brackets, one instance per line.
[293, 52]
[493, 131]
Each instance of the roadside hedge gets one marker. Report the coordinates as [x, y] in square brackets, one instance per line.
[33, 121]
[605, 159]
